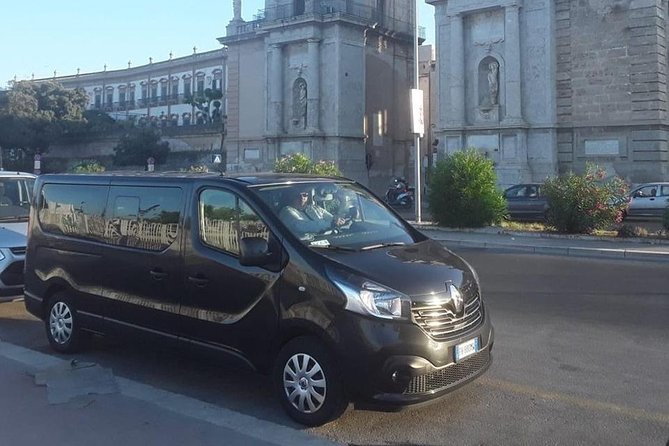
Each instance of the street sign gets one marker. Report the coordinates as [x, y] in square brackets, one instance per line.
[217, 158]
[417, 121]
[37, 164]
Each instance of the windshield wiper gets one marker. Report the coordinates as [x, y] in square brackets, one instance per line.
[382, 245]
[334, 248]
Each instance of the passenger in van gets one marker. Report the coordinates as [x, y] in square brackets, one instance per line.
[305, 217]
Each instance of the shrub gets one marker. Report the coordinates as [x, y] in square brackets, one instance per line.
[579, 204]
[300, 163]
[138, 145]
[665, 219]
[88, 166]
[463, 191]
[196, 168]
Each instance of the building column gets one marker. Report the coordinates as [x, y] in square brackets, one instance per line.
[457, 65]
[275, 118]
[514, 113]
[314, 85]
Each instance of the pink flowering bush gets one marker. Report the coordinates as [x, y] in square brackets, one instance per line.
[579, 204]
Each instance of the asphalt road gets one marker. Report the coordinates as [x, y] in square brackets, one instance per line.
[580, 357]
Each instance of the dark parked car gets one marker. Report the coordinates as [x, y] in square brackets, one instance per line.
[313, 280]
[526, 202]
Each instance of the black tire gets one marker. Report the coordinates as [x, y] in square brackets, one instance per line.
[62, 324]
[321, 394]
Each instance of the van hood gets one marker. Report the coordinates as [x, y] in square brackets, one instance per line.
[420, 269]
[13, 235]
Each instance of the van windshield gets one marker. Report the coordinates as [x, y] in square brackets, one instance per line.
[15, 198]
[331, 215]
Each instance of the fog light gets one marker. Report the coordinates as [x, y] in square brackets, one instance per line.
[401, 377]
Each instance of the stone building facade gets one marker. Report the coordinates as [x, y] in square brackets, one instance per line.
[328, 79]
[544, 86]
[156, 93]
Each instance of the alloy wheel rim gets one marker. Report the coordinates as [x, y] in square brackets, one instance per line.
[304, 383]
[60, 323]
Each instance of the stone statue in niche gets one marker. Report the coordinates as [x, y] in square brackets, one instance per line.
[493, 82]
[300, 103]
[489, 76]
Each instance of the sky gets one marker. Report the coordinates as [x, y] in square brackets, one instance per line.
[40, 36]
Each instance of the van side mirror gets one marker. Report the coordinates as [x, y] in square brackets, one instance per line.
[254, 251]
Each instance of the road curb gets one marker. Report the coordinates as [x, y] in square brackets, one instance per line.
[571, 251]
[179, 404]
[540, 235]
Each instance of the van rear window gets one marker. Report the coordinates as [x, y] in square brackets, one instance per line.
[135, 217]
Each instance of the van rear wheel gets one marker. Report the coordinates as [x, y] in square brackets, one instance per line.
[308, 382]
[62, 324]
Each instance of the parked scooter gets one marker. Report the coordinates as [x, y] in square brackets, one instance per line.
[400, 193]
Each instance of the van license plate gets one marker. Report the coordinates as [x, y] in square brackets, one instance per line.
[466, 349]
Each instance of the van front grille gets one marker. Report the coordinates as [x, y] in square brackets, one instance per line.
[450, 376]
[440, 322]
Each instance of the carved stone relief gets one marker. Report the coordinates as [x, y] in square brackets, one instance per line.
[487, 28]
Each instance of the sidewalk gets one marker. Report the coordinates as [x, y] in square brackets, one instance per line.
[551, 244]
[43, 399]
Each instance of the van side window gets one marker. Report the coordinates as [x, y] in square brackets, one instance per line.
[143, 217]
[224, 219]
[73, 210]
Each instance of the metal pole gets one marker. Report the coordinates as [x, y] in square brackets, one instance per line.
[418, 194]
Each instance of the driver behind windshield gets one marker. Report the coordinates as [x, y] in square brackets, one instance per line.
[303, 216]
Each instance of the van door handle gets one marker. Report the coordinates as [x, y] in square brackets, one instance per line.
[198, 281]
[158, 274]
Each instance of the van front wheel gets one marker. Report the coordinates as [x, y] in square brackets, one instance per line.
[62, 325]
[308, 382]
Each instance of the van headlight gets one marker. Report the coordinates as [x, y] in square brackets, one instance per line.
[367, 297]
[2, 255]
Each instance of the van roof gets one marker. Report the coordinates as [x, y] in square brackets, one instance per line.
[255, 179]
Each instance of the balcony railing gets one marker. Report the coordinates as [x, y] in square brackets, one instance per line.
[142, 103]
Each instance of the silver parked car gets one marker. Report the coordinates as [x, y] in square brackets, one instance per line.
[16, 189]
[648, 200]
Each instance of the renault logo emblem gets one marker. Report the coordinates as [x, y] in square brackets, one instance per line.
[457, 299]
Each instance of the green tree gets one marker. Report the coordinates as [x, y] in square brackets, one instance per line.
[138, 145]
[463, 191]
[34, 114]
[300, 163]
[203, 101]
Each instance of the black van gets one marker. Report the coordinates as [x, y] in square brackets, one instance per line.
[311, 279]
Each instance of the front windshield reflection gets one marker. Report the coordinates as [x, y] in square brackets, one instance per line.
[332, 215]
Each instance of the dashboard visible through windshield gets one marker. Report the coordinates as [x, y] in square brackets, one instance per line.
[335, 215]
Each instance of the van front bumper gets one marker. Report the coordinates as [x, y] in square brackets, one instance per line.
[390, 363]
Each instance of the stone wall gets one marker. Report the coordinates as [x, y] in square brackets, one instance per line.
[185, 150]
[612, 86]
